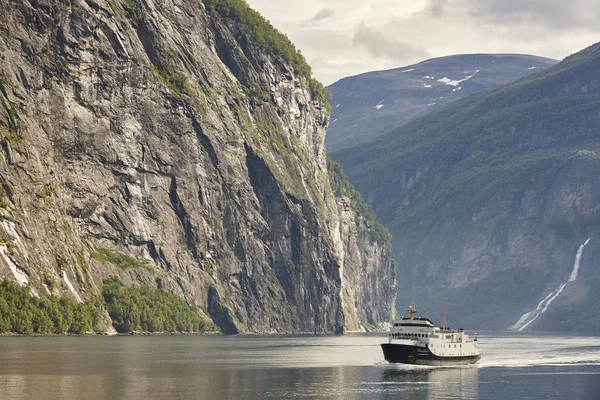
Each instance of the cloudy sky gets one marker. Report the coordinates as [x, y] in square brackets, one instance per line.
[346, 37]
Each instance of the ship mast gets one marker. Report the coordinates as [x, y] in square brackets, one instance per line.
[444, 316]
[412, 310]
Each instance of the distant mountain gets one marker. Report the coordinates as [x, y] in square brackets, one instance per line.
[369, 105]
[490, 200]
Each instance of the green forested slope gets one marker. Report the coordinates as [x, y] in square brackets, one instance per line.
[529, 128]
[465, 191]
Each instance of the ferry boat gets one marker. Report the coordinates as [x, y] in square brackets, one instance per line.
[417, 341]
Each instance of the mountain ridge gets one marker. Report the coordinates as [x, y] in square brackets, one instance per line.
[489, 198]
[368, 105]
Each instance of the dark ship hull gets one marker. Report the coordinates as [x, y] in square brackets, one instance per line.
[399, 353]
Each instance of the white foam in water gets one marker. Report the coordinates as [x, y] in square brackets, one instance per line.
[527, 318]
[539, 350]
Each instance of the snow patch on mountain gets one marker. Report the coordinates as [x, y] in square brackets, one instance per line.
[452, 82]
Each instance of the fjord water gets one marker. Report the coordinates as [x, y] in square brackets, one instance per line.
[514, 366]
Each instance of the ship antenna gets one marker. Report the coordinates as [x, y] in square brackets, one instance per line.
[444, 316]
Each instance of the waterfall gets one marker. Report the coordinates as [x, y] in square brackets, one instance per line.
[527, 318]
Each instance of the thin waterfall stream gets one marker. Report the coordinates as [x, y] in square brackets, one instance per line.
[527, 318]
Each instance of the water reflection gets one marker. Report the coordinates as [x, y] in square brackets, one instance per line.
[223, 368]
[141, 375]
[434, 383]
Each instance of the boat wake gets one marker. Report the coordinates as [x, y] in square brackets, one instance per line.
[515, 363]
[533, 350]
[528, 318]
[540, 362]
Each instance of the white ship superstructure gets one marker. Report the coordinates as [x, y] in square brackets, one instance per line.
[418, 341]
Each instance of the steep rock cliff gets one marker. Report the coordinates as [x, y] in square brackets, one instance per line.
[159, 130]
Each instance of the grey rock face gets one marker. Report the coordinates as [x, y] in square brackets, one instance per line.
[126, 127]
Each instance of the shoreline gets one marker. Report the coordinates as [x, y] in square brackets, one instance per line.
[106, 334]
[13, 334]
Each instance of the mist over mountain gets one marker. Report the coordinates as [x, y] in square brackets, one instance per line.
[368, 105]
[490, 200]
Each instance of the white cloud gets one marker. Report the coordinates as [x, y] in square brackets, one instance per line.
[341, 38]
[382, 46]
